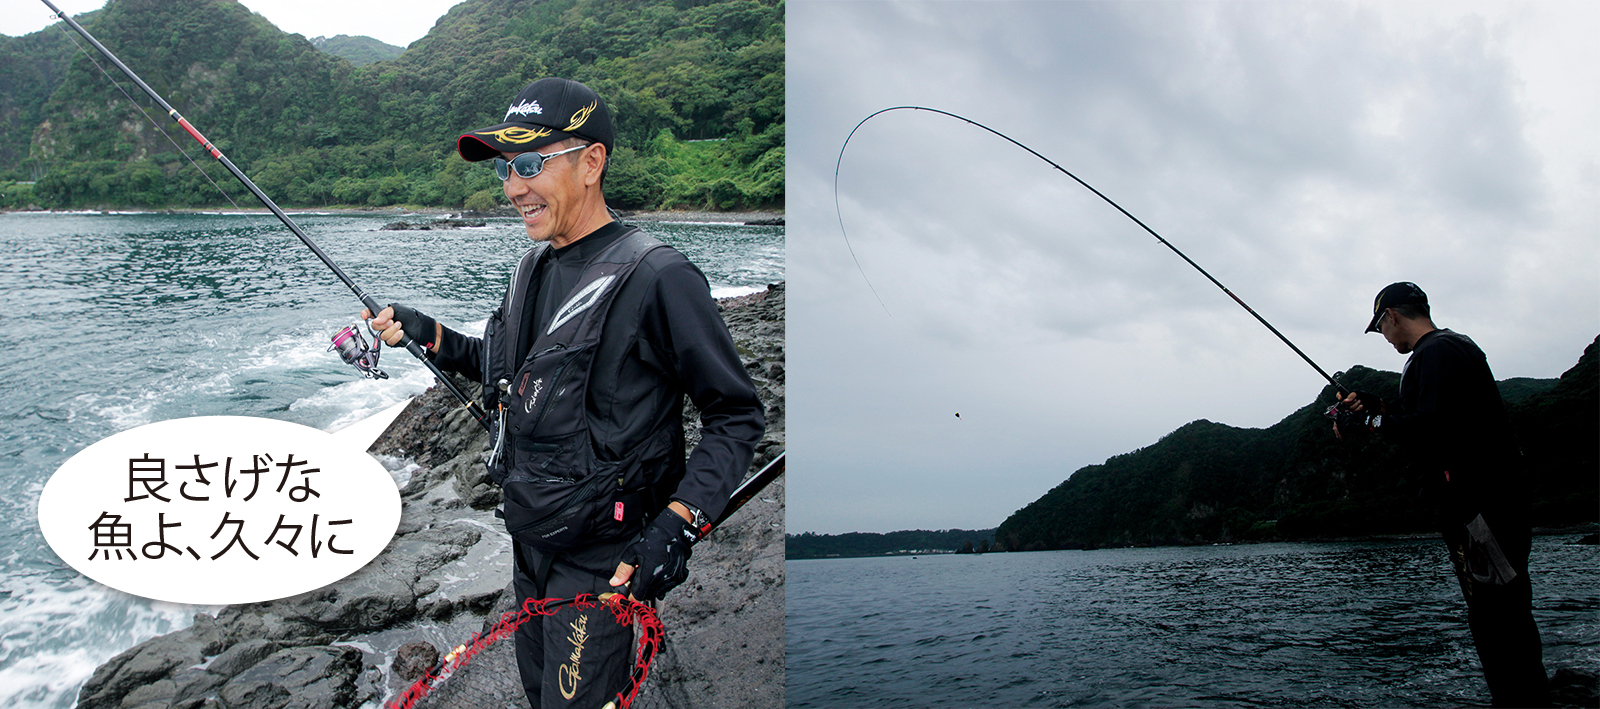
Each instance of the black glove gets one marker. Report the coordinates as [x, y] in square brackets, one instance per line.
[416, 324]
[661, 558]
[1371, 404]
[1353, 421]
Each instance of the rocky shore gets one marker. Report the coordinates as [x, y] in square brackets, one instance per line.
[445, 576]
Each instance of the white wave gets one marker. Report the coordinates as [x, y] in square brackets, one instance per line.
[357, 399]
[47, 679]
[122, 412]
[56, 629]
[399, 468]
[734, 291]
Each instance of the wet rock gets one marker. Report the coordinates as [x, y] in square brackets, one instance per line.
[1572, 687]
[143, 665]
[195, 683]
[415, 659]
[437, 224]
[301, 678]
[159, 693]
[242, 656]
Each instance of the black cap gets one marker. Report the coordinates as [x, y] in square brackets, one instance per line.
[546, 111]
[1402, 293]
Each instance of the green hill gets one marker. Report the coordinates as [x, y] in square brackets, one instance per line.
[313, 129]
[1207, 482]
[360, 50]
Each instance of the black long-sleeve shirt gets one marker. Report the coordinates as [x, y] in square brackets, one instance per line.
[1450, 418]
[662, 340]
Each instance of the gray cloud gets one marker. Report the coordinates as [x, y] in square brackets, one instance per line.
[1305, 154]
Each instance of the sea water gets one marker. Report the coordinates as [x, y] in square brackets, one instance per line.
[1376, 624]
[111, 321]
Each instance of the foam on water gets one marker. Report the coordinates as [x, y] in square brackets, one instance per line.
[734, 291]
[400, 468]
[56, 627]
[357, 399]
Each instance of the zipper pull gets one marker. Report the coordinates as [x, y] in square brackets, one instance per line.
[557, 347]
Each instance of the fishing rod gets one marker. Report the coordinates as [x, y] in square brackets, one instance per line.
[749, 488]
[1342, 391]
[352, 350]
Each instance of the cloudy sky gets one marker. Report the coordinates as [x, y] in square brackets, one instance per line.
[396, 22]
[1306, 154]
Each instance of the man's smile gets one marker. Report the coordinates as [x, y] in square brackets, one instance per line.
[531, 212]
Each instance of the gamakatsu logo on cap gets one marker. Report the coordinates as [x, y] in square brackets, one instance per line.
[582, 116]
[523, 109]
[517, 135]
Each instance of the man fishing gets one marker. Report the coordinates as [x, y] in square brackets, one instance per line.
[601, 333]
[1450, 418]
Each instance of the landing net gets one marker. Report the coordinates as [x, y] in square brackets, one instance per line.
[625, 611]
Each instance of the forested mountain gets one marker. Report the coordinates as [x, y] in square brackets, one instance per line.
[1208, 482]
[809, 545]
[361, 50]
[31, 68]
[315, 129]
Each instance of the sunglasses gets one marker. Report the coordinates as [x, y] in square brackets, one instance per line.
[528, 165]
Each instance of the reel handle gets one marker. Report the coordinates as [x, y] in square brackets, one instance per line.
[406, 342]
[410, 345]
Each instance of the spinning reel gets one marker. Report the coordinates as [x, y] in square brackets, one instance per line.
[353, 349]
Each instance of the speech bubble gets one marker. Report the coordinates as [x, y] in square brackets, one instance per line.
[215, 510]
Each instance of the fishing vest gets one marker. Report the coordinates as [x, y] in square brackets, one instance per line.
[558, 494]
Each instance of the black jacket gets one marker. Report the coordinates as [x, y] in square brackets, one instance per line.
[1451, 420]
[663, 339]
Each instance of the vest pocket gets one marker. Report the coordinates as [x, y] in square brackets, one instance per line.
[559, 496]
[555, 514]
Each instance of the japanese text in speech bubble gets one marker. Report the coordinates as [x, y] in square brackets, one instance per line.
[216, 510]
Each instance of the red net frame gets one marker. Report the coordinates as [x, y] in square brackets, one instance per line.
[625, 610]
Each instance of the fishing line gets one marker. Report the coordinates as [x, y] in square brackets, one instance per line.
[1087, 186]
[409, 343]
[156, 125]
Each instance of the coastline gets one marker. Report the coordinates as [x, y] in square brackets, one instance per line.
[646, 216]
[697, 216]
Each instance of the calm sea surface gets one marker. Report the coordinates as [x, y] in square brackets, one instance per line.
[113, 321]
[1283, 625]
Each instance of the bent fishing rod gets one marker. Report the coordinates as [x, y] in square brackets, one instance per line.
[1336, 385]
[372, 306]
